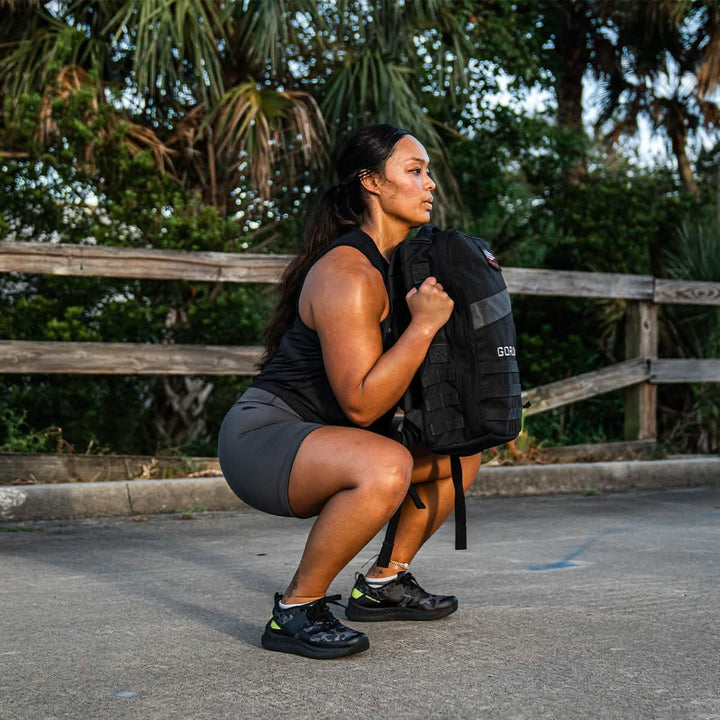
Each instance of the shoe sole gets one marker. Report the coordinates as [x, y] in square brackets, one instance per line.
[294, 646]
[361, 614]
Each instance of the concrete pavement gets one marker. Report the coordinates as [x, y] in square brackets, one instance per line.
[570, 607]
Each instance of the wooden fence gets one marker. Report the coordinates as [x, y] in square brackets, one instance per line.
[639, 374]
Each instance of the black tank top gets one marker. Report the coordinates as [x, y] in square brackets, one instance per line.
[296, 372]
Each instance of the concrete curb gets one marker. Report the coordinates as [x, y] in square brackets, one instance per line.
[20, 503]
[599, 476]
[108, 499]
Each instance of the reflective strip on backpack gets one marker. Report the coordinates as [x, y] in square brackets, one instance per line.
[491, 309]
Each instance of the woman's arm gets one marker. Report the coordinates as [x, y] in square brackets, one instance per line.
[344, 301]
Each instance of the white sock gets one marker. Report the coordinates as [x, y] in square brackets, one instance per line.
[287, 606]
[377, 582]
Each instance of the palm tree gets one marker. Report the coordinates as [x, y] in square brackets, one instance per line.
[664, 63]
[170, 61]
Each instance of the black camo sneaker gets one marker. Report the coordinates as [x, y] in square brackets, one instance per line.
[400, 599]
[311, 631]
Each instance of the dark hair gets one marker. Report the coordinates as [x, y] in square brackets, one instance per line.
[338, 208]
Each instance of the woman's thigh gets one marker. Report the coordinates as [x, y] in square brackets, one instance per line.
[331, 459]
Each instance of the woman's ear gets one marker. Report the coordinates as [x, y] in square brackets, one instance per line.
[370, 183]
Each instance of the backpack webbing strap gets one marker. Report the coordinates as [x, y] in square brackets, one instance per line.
[413, 493]
[445, 424]
[460, 518]
[387, 546]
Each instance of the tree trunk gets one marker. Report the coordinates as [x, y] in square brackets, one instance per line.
[180, 417]
[678, 137]
[572, 45]
[676, 127]
[181, 401]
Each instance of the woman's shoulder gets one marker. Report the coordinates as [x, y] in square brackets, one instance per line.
[344, 277]
[345, 263]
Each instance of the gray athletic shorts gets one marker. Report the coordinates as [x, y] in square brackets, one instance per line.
[258, 441]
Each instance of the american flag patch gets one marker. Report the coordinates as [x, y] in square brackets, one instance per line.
[491, 259]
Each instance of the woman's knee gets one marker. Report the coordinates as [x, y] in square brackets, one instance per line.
[388, 472]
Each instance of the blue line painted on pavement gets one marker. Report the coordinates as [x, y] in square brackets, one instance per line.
[566, 562]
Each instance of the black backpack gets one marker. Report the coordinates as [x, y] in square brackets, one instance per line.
[466, 396]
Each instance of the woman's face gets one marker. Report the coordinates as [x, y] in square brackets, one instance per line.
[406, 190]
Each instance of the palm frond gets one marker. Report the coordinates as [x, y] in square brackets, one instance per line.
[175, 43]
[139, 138]
[30, 62]
[366, 90]
[695, 254]
[268, 29]
[608, 96]
[266, 129]
[71, 80]
[450, 20]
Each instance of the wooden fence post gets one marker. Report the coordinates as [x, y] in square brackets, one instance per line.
[641, 340]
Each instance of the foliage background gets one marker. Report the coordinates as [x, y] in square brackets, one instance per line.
[208, 125]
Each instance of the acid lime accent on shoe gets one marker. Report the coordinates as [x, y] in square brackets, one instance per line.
[356, 594]
[401, 599]
[311, 630]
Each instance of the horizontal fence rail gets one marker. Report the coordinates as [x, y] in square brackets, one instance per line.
[683, 291]
[573, 283]
[684, 371]
[95, 261]
[29, 357]
[149, 264]
[94, 358]
[587, 385]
